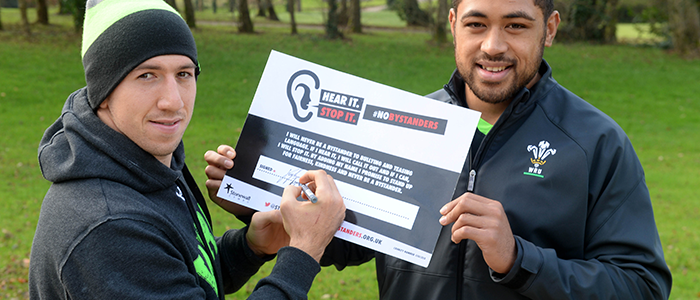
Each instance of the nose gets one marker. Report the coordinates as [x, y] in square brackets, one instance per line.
[170, 98]
[494, 43]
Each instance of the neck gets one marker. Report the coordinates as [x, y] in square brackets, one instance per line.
[165, 159]
[490, 112]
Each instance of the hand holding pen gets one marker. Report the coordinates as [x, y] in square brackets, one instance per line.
[309, 194]
[312, 224]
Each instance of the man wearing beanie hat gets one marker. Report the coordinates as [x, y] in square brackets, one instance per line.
[123, 218]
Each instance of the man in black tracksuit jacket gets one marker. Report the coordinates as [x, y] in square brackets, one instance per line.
[584, 228]
[552, 201]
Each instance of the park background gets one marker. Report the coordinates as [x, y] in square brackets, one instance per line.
[644, 74]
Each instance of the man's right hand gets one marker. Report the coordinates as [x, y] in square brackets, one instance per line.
[217, 164]
[311, 226]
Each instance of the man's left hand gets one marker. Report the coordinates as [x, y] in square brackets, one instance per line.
[266, 233]
[485, 222]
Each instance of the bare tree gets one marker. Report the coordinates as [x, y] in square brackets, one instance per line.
[271, 14]
[590, 20]
[63, 7]
[77, 9]
[413, 14]
[42, 12]
[343, 13]
[231, 6]
[244, 23]
[23, 14]
[684, 26]
[354, 19]
[262, 8]
[189, 14]
[332, 21]
[172, 3]
[292, 20]
[610, 29]
[440, 33]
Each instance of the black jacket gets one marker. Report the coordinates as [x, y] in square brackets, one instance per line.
[576, 199]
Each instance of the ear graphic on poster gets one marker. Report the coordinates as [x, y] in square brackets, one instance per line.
[305, 99]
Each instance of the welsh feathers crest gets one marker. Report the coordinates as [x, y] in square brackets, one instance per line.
[540, 152]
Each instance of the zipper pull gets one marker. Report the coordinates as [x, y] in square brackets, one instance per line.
[472, 177]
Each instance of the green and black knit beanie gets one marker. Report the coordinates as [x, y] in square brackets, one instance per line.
[119, 35]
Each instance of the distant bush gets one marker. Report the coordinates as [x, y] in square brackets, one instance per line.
[627, 13]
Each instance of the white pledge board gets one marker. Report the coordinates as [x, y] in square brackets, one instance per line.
[395, 156]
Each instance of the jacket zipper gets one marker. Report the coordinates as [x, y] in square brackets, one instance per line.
[472, 178]
[473, 165]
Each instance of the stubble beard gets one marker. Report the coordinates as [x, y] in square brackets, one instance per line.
[489, 92]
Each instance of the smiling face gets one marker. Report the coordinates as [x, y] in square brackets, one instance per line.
[499, 46]
[153, 104]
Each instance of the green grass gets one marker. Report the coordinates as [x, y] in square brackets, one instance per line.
[636, 34]
[651, 94]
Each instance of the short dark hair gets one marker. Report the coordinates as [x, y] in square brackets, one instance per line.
[547, 7]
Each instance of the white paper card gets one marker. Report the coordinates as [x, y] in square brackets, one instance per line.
[395, 156]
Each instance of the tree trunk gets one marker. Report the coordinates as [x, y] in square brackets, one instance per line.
[684, 26]
[1, 29]
[231, 6]
[591, 20]
[332, 22]
[298, 5]
[189, 14]
[172, 3]
[292, 20]
[610, 29]
[244, 23]
[25, 20]
[343, 13]
[42, 12]
[213, 5]
[415, 16]
[272, 15]
[63, 7]
[440, 33]
[262, 8]
[354, 20]
[77, 8]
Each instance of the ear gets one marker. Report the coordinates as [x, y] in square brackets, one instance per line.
[552, 25]
[104, 114]
[452, 17]
[104, 104]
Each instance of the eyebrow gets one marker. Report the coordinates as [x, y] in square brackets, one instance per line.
[513, 15]
[519, 14]
[158, 67]
[473, 13]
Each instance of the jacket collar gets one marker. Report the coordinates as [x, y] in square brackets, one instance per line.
[517, 111]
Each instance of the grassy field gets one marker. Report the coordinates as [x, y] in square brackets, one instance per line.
[651, 94]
